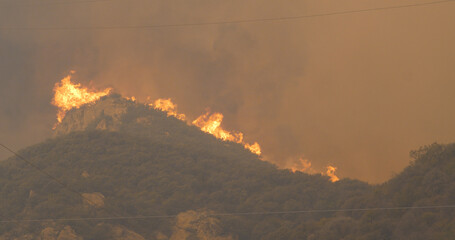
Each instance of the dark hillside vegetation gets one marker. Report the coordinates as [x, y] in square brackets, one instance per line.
[130, 160]
[138, 176]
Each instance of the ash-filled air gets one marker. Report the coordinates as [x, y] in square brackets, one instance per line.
[355, 91]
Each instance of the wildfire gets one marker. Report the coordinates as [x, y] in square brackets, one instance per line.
[304, 165]
[212, 124]
[209, 123]
[331, 173]
[69, 95]
[254, 148]
[166, 105]
[133, 98]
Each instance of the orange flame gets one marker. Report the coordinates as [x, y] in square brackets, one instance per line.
[207, 123]
[166, 105]
[331, 173]
[212, 124]
[303, 165]
[133, 98]
[69, 95]
[254, 148]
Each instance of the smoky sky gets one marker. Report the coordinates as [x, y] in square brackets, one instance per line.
[357, 91]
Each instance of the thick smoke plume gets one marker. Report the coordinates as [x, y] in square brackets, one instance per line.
[356, 91]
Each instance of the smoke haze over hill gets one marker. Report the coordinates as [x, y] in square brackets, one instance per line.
[357, 91]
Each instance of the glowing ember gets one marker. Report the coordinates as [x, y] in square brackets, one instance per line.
[166, 105]
[331, 173]
[69, 95]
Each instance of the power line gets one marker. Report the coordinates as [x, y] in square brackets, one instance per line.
[231, 214]
[119, 217]
[176, 25]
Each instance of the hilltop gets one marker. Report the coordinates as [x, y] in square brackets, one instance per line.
[117, 114]
[130, 160]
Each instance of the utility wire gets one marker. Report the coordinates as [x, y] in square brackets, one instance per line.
[231, 214]
[177, 25]
[119, 217]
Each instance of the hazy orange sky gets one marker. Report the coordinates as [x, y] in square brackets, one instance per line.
[358, 91]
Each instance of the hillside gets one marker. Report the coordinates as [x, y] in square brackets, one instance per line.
[130, 160]
[428, 181]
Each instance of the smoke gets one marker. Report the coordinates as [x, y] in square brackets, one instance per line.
[355, 91]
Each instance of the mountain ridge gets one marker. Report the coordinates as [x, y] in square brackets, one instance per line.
[143, 162]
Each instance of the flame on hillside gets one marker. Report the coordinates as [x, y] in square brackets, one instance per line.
[133, 98]
[69, 95]
[166, 105]
[331, 173]
[211, 123]
[304, 165]
[254, 148]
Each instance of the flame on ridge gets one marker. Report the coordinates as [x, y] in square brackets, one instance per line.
[331, 173]
[254, 148]
[211, 123]
[69, 95]
[304, 165]
[166, 105]
[133, 98]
